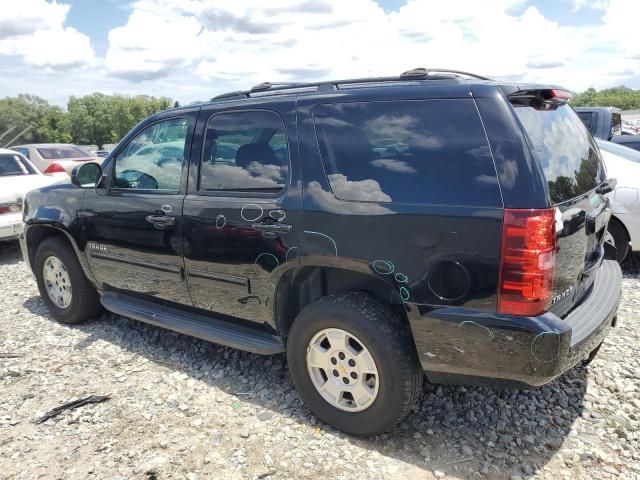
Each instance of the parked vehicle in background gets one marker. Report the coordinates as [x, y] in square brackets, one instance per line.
[55, 158]
[374, 229]
[17, 176]
[623, 163]
[605, 123]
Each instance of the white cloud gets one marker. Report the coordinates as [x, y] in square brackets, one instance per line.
[34, 30]
[194, 49]
[244, 42]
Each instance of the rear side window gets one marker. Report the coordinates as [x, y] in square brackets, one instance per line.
[245, 152]
[413, 151]
[60, 153]
[568, 154]
[11, 165]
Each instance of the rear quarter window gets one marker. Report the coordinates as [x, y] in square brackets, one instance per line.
[413, 151]
[568, 154]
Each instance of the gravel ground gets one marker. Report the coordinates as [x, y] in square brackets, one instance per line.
[183, 408]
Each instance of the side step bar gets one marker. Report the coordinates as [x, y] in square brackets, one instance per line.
[207, 328]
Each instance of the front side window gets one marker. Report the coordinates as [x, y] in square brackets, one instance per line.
[153, 159]
[244, 151]
[414, 151]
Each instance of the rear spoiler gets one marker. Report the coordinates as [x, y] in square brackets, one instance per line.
[539, 98]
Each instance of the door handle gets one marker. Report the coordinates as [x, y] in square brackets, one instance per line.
[272, 227]
[161, 221]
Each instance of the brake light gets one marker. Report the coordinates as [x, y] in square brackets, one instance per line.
[10, 208]
[54, 168]
[561, 95]
[527, 261]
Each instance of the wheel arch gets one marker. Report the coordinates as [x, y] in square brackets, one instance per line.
[35, 234]
[300, 286]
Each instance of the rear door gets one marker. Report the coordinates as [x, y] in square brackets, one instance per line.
[242, 209]
[573, 169]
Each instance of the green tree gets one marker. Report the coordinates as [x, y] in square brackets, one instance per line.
[620, 97]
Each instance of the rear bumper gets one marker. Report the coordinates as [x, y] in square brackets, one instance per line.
[456, 342]
[10, 226]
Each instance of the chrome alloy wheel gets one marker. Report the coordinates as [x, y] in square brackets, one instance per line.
[342, 370]
[57, 282]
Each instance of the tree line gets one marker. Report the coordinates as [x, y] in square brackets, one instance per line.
[620, 97]
[93, 119]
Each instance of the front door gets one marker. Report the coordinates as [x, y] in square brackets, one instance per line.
[133, 223]
[242, 210]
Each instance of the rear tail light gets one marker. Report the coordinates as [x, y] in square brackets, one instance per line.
[10, 208]
[54, 168]
[527, 261]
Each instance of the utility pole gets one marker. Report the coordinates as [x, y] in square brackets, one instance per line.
[29, 127]
[5, 133]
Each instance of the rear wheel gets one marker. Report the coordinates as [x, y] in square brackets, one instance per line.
[354, 363]
[619, 238]
[63, 286]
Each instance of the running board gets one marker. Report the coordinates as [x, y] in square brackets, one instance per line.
[214, 330]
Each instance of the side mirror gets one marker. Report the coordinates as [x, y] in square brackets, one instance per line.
[87, 175]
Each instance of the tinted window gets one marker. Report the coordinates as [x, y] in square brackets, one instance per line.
[244, 151]
[23, 151]
[12, 165]
[431, 151]
[587, 118]
[153, 159]
[62, 152]
[616, 124]
[568, 154]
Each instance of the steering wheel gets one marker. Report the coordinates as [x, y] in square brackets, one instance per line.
[137, 179]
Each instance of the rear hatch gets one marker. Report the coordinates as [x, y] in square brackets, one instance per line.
[574, 170]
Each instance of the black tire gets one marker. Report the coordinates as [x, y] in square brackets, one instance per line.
[620, 239]
[386, 337]
[85, 301]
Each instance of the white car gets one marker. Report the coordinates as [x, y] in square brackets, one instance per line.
[623, 164]
[17, 176]
[56, 158]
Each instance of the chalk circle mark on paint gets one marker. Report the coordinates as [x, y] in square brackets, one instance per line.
[383, 267]
[269, 263]
[401, 278]
[221, 221]
[278, 215]
[251, 212]
[404, 294]
[475, 331]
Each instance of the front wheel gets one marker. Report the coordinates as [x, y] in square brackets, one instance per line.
[354, 363]
[63, 286]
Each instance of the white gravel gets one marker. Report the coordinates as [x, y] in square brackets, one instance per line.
[183, 408]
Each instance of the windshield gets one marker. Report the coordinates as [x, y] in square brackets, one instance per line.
[11, 165]
[620, 150]
[62, 152]
[568, 154]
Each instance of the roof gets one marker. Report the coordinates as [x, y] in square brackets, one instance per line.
[46, 145]
[4, 151]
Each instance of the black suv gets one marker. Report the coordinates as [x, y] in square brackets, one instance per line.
[376, 230]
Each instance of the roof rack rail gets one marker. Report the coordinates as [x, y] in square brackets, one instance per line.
[420, 73]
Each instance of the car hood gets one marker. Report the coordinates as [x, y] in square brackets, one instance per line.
[14, 188]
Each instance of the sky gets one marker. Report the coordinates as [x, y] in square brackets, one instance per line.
[192, 50]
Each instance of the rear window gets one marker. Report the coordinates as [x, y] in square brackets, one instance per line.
[60, 153]
[568, 154]
[11, 165]
[413, 151]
